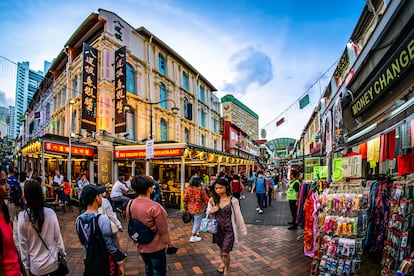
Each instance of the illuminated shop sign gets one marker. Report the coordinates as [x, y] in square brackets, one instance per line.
[398, 64]
[140, 153]
[63, 148]
[120, 89]
[89, 87]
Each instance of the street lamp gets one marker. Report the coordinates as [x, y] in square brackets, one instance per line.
[175, 110]
[69, 169]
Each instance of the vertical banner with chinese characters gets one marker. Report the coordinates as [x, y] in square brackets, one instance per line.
[120, 89]
[89, 87]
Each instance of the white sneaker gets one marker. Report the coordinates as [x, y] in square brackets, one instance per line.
[260, 211]
[243, 197]
[258, 208]
[195, 239]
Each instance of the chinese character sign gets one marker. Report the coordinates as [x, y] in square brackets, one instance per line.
[89, 87]
[120, 89]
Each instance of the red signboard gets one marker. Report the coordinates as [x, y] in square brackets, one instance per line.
[281, 121]
[63, 148]
[140, 153]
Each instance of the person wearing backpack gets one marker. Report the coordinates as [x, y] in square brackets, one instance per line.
[153, 216]
[262, 190]
[103, 255]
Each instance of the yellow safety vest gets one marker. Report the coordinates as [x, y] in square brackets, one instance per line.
[291, 194]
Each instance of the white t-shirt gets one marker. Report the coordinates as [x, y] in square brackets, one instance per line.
[118, 189]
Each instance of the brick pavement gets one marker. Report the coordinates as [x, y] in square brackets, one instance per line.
[266, 250]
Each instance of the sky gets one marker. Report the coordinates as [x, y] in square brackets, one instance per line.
[268, 54]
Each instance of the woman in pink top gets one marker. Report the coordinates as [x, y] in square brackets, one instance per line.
[9, 260]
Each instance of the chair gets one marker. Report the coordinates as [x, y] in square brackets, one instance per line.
[117, 208]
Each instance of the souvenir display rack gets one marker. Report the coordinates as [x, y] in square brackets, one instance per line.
[342, 224]
[400, 222]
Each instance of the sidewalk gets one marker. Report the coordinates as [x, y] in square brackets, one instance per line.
[266, 250]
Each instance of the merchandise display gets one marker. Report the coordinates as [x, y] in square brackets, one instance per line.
[342, 223]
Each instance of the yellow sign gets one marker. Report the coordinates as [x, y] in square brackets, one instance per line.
[322, 171]
[337, 169]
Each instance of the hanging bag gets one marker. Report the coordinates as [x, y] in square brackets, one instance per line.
[63, 268]
[208, 225]
[137, 231]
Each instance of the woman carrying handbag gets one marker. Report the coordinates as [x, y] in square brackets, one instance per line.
[39, 234]
[196, 199]
[230, 222]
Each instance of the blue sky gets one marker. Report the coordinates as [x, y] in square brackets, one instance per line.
[266, 53]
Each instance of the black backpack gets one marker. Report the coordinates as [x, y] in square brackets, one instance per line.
[97, 261]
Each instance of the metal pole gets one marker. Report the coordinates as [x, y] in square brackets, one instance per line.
[70, 144]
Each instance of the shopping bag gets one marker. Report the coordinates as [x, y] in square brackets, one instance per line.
[208, 225]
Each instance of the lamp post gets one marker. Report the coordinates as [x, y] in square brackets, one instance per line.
[69, 169]
[175, 110]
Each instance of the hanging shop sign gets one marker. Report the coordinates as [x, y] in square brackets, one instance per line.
[343, 167]
[321, 171]
[89, 87]
[141, 153]
[120, 89]
[64, 148]
[399, 63]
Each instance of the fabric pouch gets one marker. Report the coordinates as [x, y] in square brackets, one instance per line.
[208, 225]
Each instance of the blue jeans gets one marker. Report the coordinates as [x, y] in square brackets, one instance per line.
[197, 222]
[260, 200]
[155, 263]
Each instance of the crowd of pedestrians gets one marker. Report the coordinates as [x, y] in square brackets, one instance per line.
[40, 241]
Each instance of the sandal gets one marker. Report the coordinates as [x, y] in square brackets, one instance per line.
[220, 269]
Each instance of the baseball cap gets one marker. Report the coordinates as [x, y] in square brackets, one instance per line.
[89, 192]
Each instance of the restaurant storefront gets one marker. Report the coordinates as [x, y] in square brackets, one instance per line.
[50, 153]
[174, 164]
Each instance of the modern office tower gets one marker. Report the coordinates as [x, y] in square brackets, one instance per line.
[11, 125]
[27, 81]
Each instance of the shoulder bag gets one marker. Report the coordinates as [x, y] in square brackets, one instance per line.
[208, 225]
[138, 231]
[63, 265]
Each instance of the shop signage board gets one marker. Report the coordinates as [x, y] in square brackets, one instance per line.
[120, 89]
[64, 148]
[350, 166]
[149, 149]
[399, 63]
[141, 153]
[89, 87]
[321, 171]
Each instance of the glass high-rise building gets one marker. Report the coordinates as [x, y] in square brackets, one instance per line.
[27, 81]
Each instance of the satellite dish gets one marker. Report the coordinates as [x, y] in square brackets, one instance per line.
[263, 133]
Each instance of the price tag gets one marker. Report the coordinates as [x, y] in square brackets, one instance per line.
[352, 166]
[322, 171]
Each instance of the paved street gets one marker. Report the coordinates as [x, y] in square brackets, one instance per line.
[266, 250]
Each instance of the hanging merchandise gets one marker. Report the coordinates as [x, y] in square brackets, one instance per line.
[397, 245]
[342, 222]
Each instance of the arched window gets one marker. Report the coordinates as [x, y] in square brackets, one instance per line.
[185, 81]
[215, 144]
[75, 86]
[163, 96]
[203, 140]
[64, 95]
[57, 127]
[187, 135]
[163, 130]
[162, 67]
[62, 131]
[203, 118]
[130, 125]
[73, 130]
[130, 79]
[188, 109]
